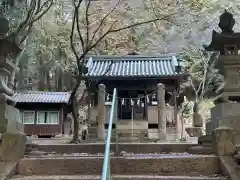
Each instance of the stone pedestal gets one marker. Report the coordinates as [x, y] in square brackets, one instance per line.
[101, 117]
[161, 111]
[13, 146]
[194, 131]
[223, 141]
[227, 115]
[10, 119]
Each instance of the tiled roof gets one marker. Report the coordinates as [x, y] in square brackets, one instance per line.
[132, 66]
[41, 97]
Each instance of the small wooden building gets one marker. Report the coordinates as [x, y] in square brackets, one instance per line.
[136, 78]
[42, 113]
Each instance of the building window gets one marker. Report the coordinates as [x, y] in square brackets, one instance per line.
[28, 117]
[21, 116]
[41, 116]
[51, 117]
[25, 80]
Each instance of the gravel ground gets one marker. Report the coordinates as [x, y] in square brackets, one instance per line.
[65, 139]
[124, 154]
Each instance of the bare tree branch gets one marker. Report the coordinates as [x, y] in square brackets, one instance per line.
[101, 38]
[71, 36]
[110, 30]
[76, 11]
[24, 23]
[45, 11]
[154, 12]
[141, 23]
[87, 22]
[26, 34]
[103, 20]
[193, 86]
[38, 7]
[30, 17]
[205, 66]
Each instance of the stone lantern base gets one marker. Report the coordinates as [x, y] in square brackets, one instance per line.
[227, 115]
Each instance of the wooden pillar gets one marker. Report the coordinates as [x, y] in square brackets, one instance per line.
[161, 111]
[88, 103]
[146, 105]
[101, 118]
[176, 119]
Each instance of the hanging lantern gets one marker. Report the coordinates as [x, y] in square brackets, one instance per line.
[148, 99]
[132, 103]
[138, 101]
[108, 98]
[123, 101]
[154, 96]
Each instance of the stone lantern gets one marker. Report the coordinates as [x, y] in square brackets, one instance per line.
[8, 50]
[9, 115]
[13, 139]
[13, 144]
[226, 112]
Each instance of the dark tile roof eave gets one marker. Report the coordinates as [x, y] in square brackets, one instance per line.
[41, 102]
[146, 76]
[59, 100]
[141, 57]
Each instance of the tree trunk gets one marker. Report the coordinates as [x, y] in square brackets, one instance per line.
[21, 76]
[73, 102]
[197, 118]
[11, 78]
[59, 80]
[48, 81]
[75, 122]
[41, 83]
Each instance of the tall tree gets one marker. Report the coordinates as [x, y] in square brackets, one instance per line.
[204, 80]
[17, 18]
[50, 52]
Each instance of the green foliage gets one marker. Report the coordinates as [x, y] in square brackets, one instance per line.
[15, 14]
[48, 53]
[187, 107]
[205, 79]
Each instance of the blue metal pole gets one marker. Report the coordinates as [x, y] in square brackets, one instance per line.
[106, 175]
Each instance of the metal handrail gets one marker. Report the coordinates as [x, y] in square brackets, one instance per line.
[106, 174]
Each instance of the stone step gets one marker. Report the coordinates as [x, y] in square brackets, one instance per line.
[200, 150]
[118, 177]
[205, 138]
[95, 148]
[205, 141]
[160, 164]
